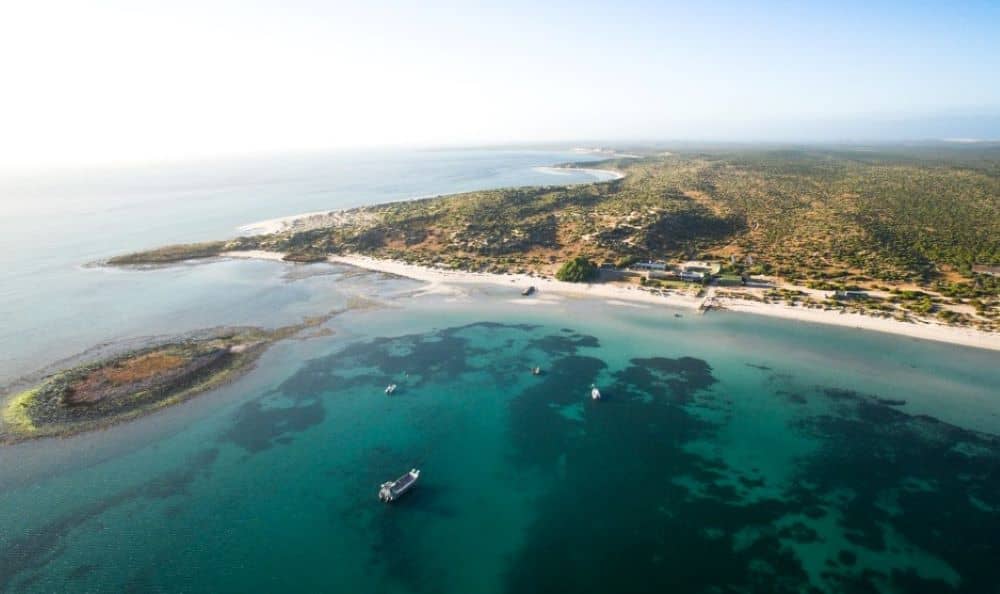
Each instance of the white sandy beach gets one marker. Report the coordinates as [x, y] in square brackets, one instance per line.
[549, 290]
[922, 330]
[274, 225]
[303, 222]
[544, 286]
[602, 175]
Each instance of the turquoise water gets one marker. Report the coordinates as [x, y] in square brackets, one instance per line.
[52, 225]
[731, 453]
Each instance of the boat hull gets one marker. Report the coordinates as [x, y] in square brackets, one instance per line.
[392, 490]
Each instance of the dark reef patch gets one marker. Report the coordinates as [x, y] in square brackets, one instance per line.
[141, 582]
[876, 451]
[661, 377]
[614, 517]
[847, 557]
[81, 571]
[539, 432]
[556, 344]
[260, 424]
[654, 516]
[792, 397]
[29, 553]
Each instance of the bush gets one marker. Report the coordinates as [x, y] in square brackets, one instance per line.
[577, 270]
[171, 253]
[626, 261]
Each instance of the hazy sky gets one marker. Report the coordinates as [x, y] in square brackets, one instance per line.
[98, 80]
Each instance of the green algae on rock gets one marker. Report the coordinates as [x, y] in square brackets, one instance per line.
[126, 386]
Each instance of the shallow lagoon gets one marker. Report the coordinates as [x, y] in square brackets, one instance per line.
[731, 453]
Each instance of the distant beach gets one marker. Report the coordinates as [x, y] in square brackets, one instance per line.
[601, 174]
[277, 225]
[326, 218]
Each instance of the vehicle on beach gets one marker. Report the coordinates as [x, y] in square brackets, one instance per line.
[391, 490]
[594, 392]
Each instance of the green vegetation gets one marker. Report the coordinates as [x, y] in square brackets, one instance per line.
[902, 219]
[807, 215]
[172, 253]
[305, 256]
[577, 270]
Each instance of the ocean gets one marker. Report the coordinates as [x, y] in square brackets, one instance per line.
[730, 453]
[53, 226]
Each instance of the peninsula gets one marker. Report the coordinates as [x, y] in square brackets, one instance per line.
[906, 238]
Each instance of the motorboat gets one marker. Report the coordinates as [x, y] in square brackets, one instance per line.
[392, 490]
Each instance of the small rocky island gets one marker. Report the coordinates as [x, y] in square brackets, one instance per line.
[125, 386]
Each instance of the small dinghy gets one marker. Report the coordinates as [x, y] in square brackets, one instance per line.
[536, 371]
[594, 392]
[390, 389]
[392, 490]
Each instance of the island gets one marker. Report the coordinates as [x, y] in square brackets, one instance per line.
[125, 386]
[894, 237]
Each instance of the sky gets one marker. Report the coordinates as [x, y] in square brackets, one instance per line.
[105, 81]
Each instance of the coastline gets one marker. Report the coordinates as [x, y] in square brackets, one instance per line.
[308, 220]
[957, 335]
[278, 224]
[602, 175]
[451, 281]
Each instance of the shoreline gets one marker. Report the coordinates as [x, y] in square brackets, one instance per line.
[956, 335]
[276, 225]
[602, 175]
[450, 281]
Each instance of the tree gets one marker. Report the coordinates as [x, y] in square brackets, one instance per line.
[577, 270]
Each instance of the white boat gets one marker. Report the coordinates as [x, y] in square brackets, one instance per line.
[390, 388]
[594, 392]
[391, 490]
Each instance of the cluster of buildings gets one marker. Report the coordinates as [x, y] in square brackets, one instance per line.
[693, 271]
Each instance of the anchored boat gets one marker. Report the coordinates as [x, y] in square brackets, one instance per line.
[390, 389]
[594, 392]
[392, 490]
